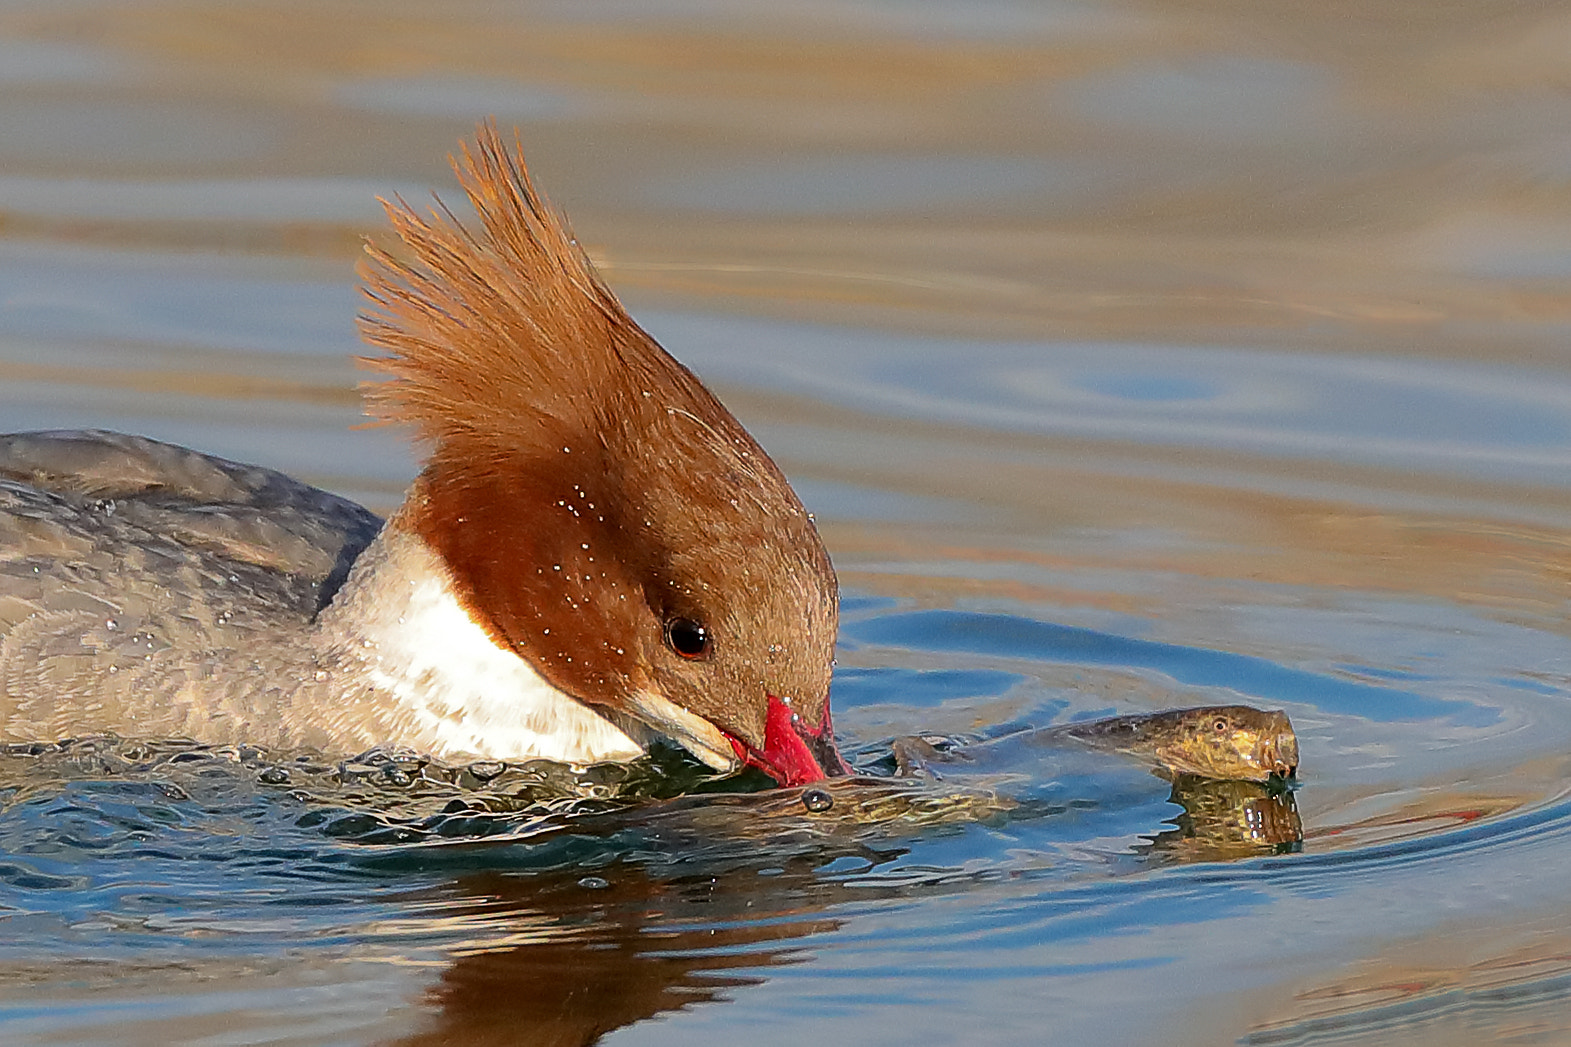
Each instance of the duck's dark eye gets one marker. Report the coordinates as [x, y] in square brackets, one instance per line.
[1220, 726]
[687, 638]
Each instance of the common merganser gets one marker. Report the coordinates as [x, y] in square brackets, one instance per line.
[595, 555]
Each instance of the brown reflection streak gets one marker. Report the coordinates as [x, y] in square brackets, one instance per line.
[212, 384]
[296, 239]
[375, 39]
[1448, 967]
[597, 958]
[1421, 817]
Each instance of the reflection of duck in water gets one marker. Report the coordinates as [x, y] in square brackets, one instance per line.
[580, 959]
[592, 916]
[595, 556]
[587, 955]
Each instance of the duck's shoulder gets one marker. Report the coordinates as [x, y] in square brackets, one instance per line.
[90, 495]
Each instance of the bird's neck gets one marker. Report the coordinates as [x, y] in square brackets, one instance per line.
[444, 685]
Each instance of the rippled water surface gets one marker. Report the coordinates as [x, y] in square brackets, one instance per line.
[1131, 356]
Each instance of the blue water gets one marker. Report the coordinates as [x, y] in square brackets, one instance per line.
[1031, 873]
[1129, 357]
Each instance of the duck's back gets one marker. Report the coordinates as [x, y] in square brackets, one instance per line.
[135, 576]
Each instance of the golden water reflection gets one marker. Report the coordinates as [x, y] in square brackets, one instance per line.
[1202, 169]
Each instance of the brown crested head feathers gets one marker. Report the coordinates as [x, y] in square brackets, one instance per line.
[587, 492]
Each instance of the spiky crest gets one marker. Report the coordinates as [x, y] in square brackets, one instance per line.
[502, 333]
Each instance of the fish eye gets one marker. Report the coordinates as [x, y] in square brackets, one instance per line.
[687, 638]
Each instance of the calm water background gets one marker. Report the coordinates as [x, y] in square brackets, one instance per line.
[1131, 355]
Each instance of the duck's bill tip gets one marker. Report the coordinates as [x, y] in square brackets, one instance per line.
[793, 752]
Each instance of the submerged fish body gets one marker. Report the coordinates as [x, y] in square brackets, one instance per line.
[1219, 742]
[1230, 769]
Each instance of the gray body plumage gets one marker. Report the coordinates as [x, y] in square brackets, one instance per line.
[152, 591]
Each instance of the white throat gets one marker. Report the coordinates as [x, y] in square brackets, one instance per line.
[458, 693]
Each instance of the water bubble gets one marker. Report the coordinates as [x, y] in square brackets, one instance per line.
[485, 770]
[817, 800]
